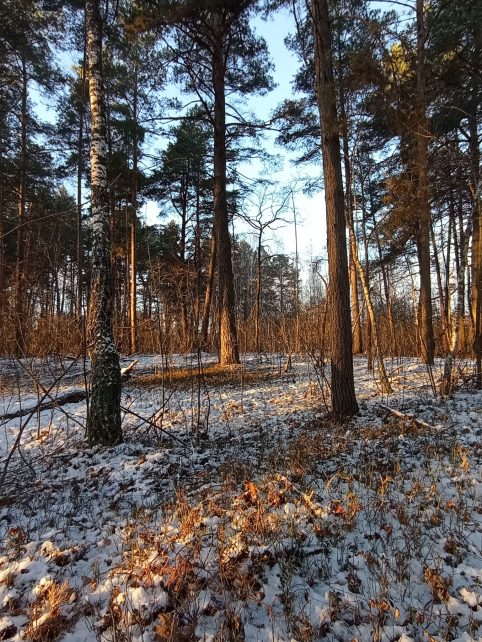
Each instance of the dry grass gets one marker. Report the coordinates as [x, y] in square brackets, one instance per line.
[48, 615]
[215, 375]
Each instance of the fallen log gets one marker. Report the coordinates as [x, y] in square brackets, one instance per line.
[73, 396]
[401, 415]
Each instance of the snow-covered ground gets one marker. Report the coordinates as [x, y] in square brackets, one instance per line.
[235, 510]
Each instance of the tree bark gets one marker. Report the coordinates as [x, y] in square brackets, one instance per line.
[20, 340]
[342, 383]
[228, 340]
[427, 345]
[476, 290]
[355, 305]
[132, 231]
[257, 309]
[80, 139]
[104, 420]
[208, 297]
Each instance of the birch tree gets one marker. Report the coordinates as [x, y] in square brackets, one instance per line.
[103, 421]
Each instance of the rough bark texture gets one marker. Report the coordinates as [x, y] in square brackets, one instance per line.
[342, 385]
[228, 341]
[427, 345]
[104, 421]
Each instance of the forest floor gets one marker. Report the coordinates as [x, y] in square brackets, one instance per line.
[236, 510]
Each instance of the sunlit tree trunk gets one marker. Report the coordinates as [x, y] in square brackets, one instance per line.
[384, 381]
[427, 345]
[103, 421]
[342, 384]
[355, 306]
[228, 340]
[208, 297]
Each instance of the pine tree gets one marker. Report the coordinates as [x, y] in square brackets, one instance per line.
[217, 53]
[342, 383]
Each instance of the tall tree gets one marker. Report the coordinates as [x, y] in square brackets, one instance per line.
[427, 345]
[216, 52]
[103, 421]
[342, 382]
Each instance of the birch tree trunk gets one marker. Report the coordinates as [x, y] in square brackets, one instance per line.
[103, 421]
[342, 384]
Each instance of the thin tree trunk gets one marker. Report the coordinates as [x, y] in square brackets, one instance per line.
[457, 318]
[103, 421]
[355, 306]
[258, 294]
[132, 231]
[447, 313]
[228, 340]
[3, 276]
[476, 290]
[79, 186]
[441, 293]
[427, 345]
[342, 382]
[20, 340]
[384, 380]
[208, 297]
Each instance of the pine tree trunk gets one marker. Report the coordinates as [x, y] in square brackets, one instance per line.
[427, 345]
[103, 421]
[355, 305]
[342, 384]
[132, 232]
[228, 340]
[20, 341]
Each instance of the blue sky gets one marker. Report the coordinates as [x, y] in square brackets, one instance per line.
[309, 211]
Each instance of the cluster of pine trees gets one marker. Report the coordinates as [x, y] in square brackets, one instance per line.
[392, 97]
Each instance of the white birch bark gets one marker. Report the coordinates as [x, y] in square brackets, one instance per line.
[103, 422]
